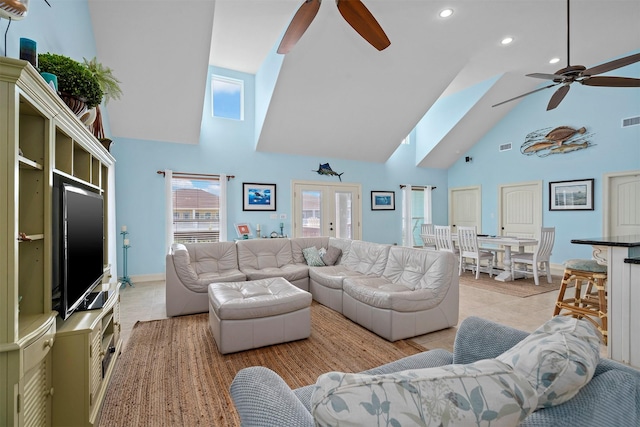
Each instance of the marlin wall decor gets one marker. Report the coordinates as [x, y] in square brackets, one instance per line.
[325, 169]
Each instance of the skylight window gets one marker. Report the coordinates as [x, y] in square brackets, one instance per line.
[227, 97]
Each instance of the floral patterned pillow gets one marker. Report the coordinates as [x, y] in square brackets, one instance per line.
[484, 393]
[558, 358]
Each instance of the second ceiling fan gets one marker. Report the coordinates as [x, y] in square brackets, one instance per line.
[582, 75]
[353, 11]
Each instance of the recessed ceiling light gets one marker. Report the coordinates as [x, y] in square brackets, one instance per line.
[446, 13]
[506, 40]
[554, 61]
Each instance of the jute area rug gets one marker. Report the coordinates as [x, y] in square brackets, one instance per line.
[171, 373]
[520, 287]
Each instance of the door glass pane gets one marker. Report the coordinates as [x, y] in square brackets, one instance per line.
[311, 213]
[343, 228]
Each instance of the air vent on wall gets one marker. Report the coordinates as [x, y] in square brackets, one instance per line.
[632, 121]
[505, 147]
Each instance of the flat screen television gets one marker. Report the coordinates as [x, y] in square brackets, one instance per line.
[78, 246]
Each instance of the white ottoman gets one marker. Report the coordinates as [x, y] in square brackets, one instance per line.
[256, 313]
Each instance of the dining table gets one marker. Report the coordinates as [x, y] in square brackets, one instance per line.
[507, 242]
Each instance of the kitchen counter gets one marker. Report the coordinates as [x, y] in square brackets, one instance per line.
[621, 255]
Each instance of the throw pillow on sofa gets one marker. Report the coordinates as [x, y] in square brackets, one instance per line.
[312, 257]
[558, 358]
[332, 255]
[486, 392]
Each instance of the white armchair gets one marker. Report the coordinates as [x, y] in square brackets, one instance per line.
[427, 234]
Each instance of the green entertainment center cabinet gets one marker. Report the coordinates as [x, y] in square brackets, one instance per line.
[53, 372]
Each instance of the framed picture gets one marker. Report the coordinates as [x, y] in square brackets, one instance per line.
[258, 197]
[383, 200]
[243, 229]
[574, 195]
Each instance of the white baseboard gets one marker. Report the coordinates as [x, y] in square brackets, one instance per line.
[141, 278]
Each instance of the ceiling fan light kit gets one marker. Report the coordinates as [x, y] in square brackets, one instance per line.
[582, 75]
[353, 11]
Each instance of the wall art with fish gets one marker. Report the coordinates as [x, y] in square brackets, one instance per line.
[560, 140]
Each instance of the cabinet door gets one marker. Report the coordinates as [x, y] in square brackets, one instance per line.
[35, 403]
[95, 367]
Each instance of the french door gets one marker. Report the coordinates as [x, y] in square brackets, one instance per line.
[321, 209]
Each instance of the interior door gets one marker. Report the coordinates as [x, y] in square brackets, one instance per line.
[465, 207]
[327, 210]
[520, 207]
[622, 204]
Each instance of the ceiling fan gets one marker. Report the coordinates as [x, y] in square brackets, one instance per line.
[353, 11]
[582, 75]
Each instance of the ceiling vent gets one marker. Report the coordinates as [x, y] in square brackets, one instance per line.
[505, 147]
[632, 121]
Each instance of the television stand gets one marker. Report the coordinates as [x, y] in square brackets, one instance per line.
[87, 347]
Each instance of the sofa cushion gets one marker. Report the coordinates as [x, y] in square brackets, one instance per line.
[291, 272]
[331, 256]
[343, 244]
[381, 293]
[419, 269]
[558, 358]
[258, 254]
[366, 258]
[312, 256]
[199, 264]
[299, 243]
[332, 276]
[460, 395]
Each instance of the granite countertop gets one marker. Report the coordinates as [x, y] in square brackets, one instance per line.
[629, 241]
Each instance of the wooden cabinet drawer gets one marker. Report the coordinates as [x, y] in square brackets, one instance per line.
[37, 350]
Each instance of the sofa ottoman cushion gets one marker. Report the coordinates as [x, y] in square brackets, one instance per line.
[459, 395]
[256, 298]
[558, 358]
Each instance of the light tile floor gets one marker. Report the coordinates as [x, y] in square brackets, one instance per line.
[146, 301]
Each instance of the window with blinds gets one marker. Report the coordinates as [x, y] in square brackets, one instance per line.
[196, 208]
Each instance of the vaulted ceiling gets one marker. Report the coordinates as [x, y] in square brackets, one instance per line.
[335, 95]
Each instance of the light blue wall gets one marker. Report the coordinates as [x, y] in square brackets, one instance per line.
[601, 111]
[65, 29]
[228, 146]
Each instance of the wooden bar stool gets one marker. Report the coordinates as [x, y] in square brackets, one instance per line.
[588, 302]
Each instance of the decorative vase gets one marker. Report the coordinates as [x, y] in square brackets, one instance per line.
[77, 105]
[106, 143]
[89, 117]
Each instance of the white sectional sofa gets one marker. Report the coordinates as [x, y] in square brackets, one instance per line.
[396, 292]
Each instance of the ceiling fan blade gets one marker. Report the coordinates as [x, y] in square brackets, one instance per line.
[523, 95]
[611, 81]
[299, 24]
[612, 65]
[558, 96]
[359, 17]
[544, 76]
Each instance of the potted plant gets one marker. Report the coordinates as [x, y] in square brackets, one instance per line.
[78, 87]
[110, 86]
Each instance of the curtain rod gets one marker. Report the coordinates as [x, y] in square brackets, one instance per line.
[207, 175]
[418, 186]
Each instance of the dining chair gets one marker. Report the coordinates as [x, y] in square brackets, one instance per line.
[444, 241]
[538, 259]
[428, 237]
[469, 249]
